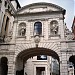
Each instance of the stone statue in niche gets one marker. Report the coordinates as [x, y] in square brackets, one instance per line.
[54, 28]
[8, 38]
[22, 31]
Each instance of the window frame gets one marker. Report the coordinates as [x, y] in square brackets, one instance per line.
[38, 25]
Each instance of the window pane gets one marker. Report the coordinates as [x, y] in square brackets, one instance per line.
[38, 28]
[42, 57]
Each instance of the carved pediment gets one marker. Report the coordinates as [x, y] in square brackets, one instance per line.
[39, 7]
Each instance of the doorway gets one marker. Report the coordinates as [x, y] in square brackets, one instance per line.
[40, 71]
[4, 66]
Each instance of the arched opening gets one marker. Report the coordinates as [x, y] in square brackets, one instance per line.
[4, 66]
[30, 53]
[72, 64]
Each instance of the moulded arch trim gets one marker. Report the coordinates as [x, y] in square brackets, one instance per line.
[22, 23]
[37, 22]
[53, 21]
[25, 54]
[5, 58]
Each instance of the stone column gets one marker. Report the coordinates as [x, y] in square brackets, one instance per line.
[11, 69]
[34, 70]
[46, 70]
[63, 63]
[61, 30]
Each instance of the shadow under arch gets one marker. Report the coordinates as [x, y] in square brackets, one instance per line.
[72, 59]
[28, 53]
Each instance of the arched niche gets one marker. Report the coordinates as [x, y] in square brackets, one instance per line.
[53, 27]
[22, 29]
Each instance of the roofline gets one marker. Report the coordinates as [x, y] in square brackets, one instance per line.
[42, 3]
[73, 23]
[17, 3]
[40, 13]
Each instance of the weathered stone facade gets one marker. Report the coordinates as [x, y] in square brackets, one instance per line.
[53, 40]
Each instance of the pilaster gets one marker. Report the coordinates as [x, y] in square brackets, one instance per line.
[63, 64]
[11, 65]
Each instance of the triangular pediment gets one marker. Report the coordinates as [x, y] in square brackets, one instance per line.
[39, 7]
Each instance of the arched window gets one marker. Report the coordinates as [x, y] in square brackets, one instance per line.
[22, 29]
[37, 28]
[4, 66]
[54, 27]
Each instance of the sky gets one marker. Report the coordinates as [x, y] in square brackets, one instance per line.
[68, 5]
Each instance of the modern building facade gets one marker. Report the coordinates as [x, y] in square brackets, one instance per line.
[33, 30]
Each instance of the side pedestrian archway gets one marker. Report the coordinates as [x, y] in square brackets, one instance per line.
[72, 60]
[4, 66]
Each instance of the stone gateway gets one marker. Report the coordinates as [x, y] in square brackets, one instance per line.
[33, 30]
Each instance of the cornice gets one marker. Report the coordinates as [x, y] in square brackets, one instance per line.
[7, 44]
[42, 3]
[68, 41]
[39, 13]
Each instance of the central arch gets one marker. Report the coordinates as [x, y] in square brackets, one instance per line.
[37, 51]
[24, 55]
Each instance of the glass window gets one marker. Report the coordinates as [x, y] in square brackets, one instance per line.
[42, 57]
[38, 28]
